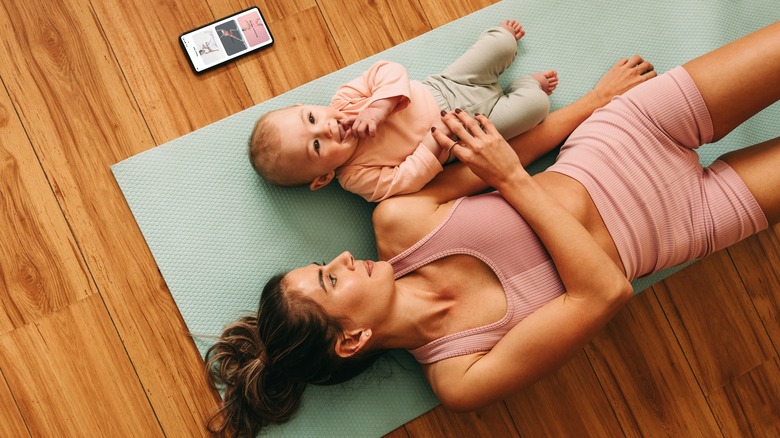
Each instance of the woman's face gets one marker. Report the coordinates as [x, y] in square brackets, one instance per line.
[360, 291]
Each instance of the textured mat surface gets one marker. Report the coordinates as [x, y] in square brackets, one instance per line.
[217, 231]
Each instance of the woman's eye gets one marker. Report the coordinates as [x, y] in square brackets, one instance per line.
[332, 280]
[311, 118]
[317, 146]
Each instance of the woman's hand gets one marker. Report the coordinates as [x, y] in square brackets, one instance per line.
[482, 148]
[623, 76]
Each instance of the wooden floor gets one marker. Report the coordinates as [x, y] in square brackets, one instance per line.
[91, 343]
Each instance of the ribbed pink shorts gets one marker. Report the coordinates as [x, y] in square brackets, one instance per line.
[636, 158]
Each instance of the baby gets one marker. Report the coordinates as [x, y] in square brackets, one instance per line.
[375, 137]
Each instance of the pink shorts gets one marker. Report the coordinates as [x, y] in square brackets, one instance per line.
[636, 158]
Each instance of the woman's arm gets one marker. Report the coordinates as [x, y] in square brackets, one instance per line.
[458, 180]
[595, 286]
[397, 219]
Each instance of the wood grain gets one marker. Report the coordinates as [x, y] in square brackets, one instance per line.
[146, 46]
[572, 392]
[750, 404]
[88, 83]
[81, 116]
[439, 12]
[362, 28]
[273, 10]
[303, 51]
[717, 326]
[757, 260]
[399, 432]
[647, 377]
[493, 420]
[71, 376]
[41, 268]
[11, 421]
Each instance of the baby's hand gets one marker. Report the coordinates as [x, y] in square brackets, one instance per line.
[366, 123]
[430, 142]
[442, 127]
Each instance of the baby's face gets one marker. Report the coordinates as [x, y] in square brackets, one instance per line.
[314, 142]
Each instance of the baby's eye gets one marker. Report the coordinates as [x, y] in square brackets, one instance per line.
[332, 280]
[311, 118]
[317, 146]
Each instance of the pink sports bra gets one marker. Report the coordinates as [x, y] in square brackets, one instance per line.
[490, 229]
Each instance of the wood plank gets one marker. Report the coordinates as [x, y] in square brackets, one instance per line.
[362, 28]
[646, 376]
[573, 392]
[273, 10]
[71, 376]
[441, 12]
[757, 260]
[11, 421]
[41, 269]
[750, 405]
[303, 50]
[81, 117]
[492, 420]
[398, 433]
[177, 101]
[715, 321]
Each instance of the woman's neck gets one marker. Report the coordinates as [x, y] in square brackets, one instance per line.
[417, 313]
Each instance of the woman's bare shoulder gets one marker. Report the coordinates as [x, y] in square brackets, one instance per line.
[401, 221]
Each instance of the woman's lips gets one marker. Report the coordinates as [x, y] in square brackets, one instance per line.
[369, 267]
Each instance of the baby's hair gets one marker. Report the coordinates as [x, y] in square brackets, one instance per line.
[264, 152]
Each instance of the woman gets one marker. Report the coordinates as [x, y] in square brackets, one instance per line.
[491, 292]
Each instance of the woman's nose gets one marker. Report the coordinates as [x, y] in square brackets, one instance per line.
[347, 259]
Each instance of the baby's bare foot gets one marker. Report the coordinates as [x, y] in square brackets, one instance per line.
[548, 80]
[514, 28]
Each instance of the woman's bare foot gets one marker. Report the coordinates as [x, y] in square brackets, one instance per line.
[514, 28]
[548, 80]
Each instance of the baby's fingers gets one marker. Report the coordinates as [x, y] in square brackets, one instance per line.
[444, 140]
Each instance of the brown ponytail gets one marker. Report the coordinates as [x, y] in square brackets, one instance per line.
[263, 363]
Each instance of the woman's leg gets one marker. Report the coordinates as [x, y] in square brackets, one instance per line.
[759, 167]
[739, 79]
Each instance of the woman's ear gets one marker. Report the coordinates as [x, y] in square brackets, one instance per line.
[322, 180]
[352, 343]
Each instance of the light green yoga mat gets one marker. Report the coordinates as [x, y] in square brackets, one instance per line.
[218, 232]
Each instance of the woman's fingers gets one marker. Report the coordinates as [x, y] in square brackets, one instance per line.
[456, 125]
[486, 125]
[469, 122]
[443, 139]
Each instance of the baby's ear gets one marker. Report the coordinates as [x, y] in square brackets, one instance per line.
[322, 180]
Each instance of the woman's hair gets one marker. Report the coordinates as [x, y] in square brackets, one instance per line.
[263, 363]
